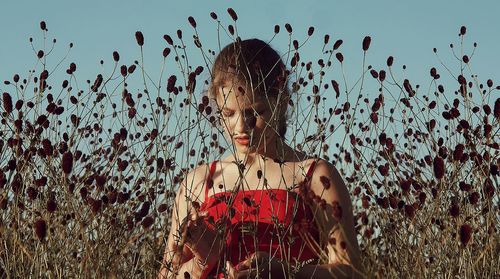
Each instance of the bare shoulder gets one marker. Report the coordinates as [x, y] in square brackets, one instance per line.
[326, 179]
[193, 183]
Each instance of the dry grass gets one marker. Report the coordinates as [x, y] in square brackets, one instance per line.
[88, 174]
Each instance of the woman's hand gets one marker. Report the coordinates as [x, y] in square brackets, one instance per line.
[258, 265]
[202, 238]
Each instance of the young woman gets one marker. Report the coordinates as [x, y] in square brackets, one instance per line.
[266, 210]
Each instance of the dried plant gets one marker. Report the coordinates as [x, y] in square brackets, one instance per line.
[88, 173]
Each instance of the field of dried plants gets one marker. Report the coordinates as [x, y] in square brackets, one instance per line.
[88, 171]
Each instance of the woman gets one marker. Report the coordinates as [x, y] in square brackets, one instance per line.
[240, 217]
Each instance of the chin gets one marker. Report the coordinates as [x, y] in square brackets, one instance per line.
[246, 148]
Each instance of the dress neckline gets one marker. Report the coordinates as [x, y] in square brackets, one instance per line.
[251, 190]
[210, 181]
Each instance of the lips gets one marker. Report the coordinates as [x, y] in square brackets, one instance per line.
[243, 140]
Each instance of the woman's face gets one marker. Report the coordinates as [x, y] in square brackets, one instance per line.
[247, 118]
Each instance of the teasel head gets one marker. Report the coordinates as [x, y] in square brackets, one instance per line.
[7, 102]
[465, 234]
[67, 162]
[139, 37]
[40, 227]
[232, 13]
[366, 43]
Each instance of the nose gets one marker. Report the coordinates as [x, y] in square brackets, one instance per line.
[245, 122]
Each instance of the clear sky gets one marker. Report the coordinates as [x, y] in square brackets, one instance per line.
[408, 30]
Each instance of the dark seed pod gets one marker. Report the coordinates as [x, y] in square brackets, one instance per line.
[40, 54]
[496, 110]
[465, 234]
[310, 31]
[51, 205]
[463, 29]
[40, 229]
[288, 27]
[67, 162]
[166, 52]
[325, 181]
[366, 43]
[335, 86]
[43, 25]
[439, 168]
[131, 69]
[168, 39]
[171, 83]
[276, 29]
[381, 75]
[339, 57]
[454, 210]
[405, 185]
[390, 61]
[7, 102]
[139, 38]
[123, 70]
[192, 21]
[147, 222]
[116, 56]
[179, 34]
[465, 58]
[326, 39]
[337, 44]
[213, 15]
[232, 13]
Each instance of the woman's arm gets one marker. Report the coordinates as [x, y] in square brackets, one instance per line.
[335, 220]
[178, 258]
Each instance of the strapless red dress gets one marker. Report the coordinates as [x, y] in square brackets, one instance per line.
[275, 221]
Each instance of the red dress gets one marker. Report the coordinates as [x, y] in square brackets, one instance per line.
[276, 221]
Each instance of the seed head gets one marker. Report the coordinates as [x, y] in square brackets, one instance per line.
[439, 168]
[337, 44]
[366, 43]
[325, 181]
[166, 52]
[232, 13]
[139, 38]
[326, 39]
[192, 21]
[168, 39]
[7, 102]
[465, 234]
[40, 229]
[310, 31]
[67, 162]
[463, 29]
[390, 61]
[276, 29]
[116, 56]
[454, 210]
[339, 57]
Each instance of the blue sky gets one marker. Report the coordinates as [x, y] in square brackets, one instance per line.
[408, 30]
